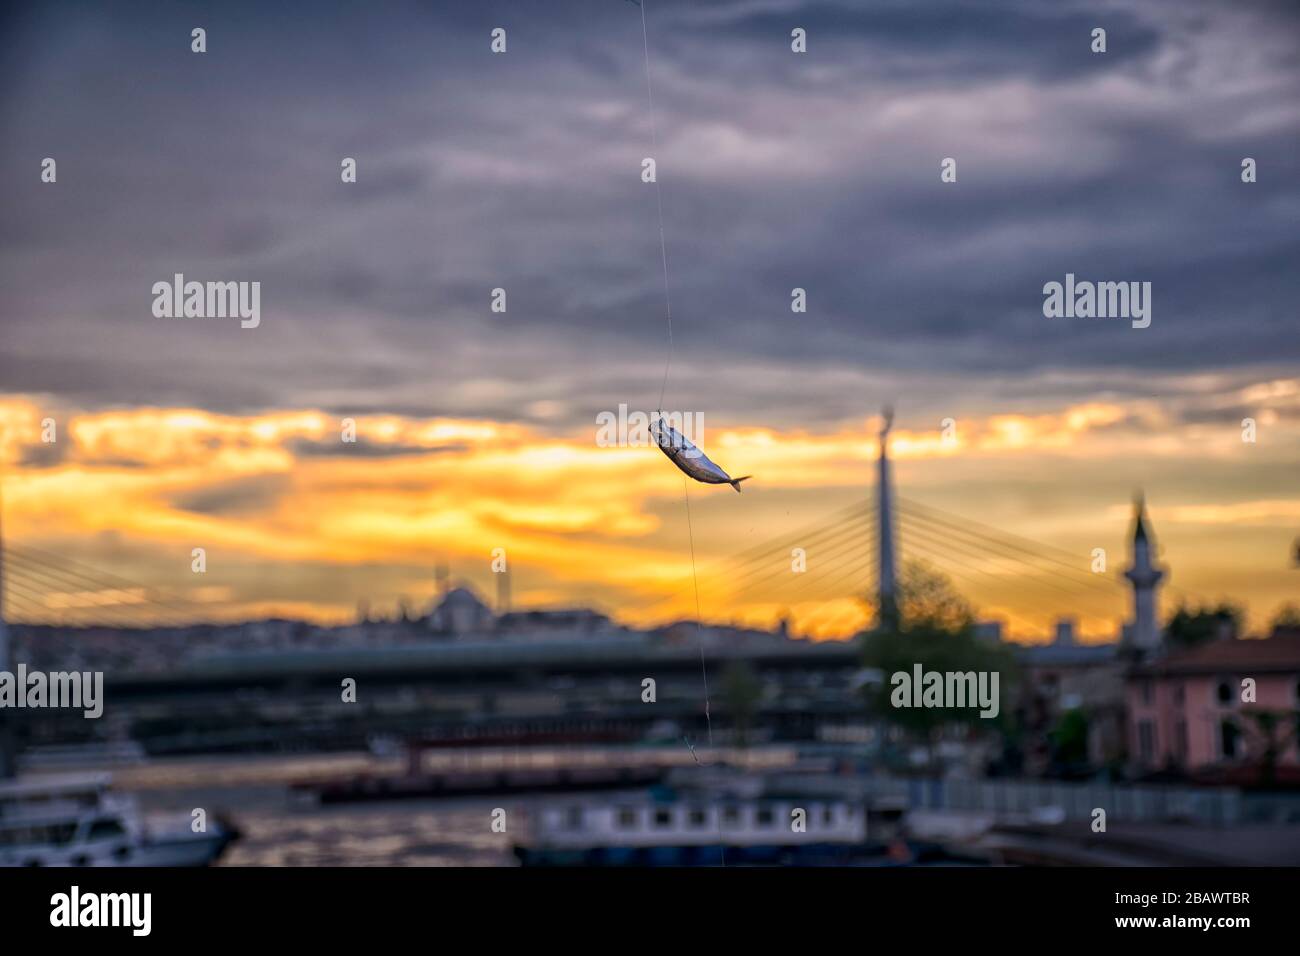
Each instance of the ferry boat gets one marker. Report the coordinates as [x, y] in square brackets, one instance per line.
[76, 820]
[642, 831]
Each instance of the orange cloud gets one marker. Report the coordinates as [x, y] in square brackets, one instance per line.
[284, 488]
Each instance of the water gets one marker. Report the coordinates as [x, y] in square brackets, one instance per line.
[278, 829]
[281, 829]
[395, 834]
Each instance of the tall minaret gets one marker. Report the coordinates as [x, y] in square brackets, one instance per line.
[1144, 629]
[887, 615]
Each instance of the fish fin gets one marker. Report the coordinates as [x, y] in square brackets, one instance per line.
[735, 482]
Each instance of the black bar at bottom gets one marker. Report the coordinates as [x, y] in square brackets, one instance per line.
[334, 906]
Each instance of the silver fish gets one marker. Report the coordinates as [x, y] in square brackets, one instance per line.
[682, 453]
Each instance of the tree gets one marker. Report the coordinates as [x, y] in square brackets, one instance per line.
[1069, 739]
[936, 629]
[1190, 628]
[1272, 732]
[742, 690]
[928, 603]
[1287, 618]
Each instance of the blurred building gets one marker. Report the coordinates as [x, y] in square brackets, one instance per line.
[1085, 681]
[1191, 710]
[565, 624]
[460, 613]
[695, 633]
[1072, 688]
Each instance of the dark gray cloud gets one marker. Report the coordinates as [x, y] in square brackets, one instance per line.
[44, 455]
[241, 496]
[522, 171]
[362, 448]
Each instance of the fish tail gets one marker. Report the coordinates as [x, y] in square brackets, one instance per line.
[735, 482]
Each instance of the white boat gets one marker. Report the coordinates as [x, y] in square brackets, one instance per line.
[693, 831]
[76, 820]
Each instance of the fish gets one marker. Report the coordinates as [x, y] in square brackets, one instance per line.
[691, 460]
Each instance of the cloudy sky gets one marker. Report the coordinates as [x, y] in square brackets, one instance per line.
[522, 171]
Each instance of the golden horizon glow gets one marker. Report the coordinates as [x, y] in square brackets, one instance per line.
[279, 501]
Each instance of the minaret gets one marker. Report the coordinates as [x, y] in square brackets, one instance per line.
[887, 614]
[1144, 629]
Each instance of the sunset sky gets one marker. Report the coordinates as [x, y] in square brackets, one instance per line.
[476, 430]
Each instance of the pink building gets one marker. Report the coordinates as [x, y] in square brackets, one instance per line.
[1186, 709]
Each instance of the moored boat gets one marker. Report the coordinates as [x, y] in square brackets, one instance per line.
[640, 831]
[76, 820]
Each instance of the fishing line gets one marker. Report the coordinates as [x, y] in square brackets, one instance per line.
[663, 387]
[704, 671]
[659, 205]
[690, 536]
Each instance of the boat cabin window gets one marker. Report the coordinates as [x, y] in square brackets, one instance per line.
[731, 815]
[573, 818]
[627, 818]
[697, 817]
[765, 817]
[663, 818]
[105, 828]
[56, 833]
[828, 816]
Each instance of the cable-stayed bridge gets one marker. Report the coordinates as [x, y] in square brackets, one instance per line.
[1029, 583]
[842, 577]
[1002, 574]
[837, 575]
[41, 587]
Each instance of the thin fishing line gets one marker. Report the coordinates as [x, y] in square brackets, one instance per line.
[699, 635]
[659, 205]
[663, 386]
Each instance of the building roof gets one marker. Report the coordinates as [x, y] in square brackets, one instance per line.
[1065, 655]
[462, 597]
[1280, 653]
[553, 617]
